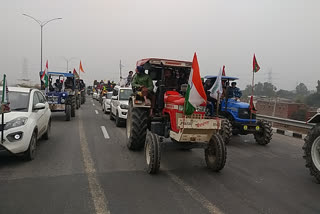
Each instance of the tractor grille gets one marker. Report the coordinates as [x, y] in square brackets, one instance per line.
[53, 99]
[244, 113]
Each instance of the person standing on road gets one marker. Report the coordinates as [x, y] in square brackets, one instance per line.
[143, 82]
[129, 78]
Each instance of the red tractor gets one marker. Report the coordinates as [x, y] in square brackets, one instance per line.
[169, 126]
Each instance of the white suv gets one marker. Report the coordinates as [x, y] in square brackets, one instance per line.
[106, 100]
[28, 121]
[119, 104]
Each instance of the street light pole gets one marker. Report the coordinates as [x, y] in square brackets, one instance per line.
[42, 24]
[69, 60]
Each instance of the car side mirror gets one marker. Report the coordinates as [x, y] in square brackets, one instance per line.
[39, 106]
[114, 97]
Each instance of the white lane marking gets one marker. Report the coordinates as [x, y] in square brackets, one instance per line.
[93, 104]
[97, 194]
[96, 111]
[195, 195]
[105, 133]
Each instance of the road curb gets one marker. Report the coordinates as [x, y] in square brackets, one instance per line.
[289, 133]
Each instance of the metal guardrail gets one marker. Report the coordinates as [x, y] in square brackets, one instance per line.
[284, 121]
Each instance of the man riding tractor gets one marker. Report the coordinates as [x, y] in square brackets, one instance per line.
[168, 124]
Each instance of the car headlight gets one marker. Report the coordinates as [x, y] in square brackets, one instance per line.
[201, 108]
[124, 106]
[19, 121]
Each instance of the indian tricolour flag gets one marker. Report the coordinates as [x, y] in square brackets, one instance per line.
[216, 89]
[5, 91]
[44, 76]
[195, 95]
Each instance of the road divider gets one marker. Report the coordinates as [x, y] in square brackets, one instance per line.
[105, 133]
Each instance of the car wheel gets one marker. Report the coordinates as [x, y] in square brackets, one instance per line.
[31, 152]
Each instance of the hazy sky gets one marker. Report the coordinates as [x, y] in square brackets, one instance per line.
[284, 34]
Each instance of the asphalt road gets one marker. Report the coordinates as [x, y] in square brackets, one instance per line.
[83, 169]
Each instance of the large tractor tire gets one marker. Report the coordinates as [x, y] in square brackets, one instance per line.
[264, 136]
[311, 149]
[152, 152]
[68, 112]
[137, 124]
[226, 130]
[73, 106]
[216, 153]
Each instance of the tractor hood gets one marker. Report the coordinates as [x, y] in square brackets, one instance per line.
[235, 104]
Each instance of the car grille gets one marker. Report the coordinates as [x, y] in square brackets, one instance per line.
[244, 113]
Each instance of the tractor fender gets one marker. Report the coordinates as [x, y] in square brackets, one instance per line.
[315, 119]
[142, 105]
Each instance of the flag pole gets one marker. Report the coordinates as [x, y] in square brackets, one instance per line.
[218, 103]
[252, 94]
[2, 106]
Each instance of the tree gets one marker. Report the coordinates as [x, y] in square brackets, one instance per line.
[285, 94]
[302, 89]
[313, 100]
[318, 87]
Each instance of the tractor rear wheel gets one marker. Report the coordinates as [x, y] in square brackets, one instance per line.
[311, 149]
[73, 106]
[216, 153]
[226, 131]
[152, 152]
[264, 136]
[137, 124]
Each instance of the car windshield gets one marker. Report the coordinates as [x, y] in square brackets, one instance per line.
[109, 95]
[125, 94]
[18, 100]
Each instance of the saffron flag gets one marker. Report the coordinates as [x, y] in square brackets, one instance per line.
[44, 76]
[195, 95]
[216, 89]
[256, 67]
[76, 75]
[80, 67]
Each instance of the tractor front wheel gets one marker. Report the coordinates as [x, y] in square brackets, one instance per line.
[137, 124]
[73, 106]
[216, 153]
[311, 149]
[68, 112]
[152, 151]
[264, 136]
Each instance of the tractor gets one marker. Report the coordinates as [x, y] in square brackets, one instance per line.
[311, 147]
[62, 97]
[239, 118]
[168, 126]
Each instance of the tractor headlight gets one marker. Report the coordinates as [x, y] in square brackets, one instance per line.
[63, 101]
[124, 106]
[201, 108]
[19, 121]
[180, 108]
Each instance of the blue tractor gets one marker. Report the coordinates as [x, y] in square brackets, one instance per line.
[61, 93]
[240, 119]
